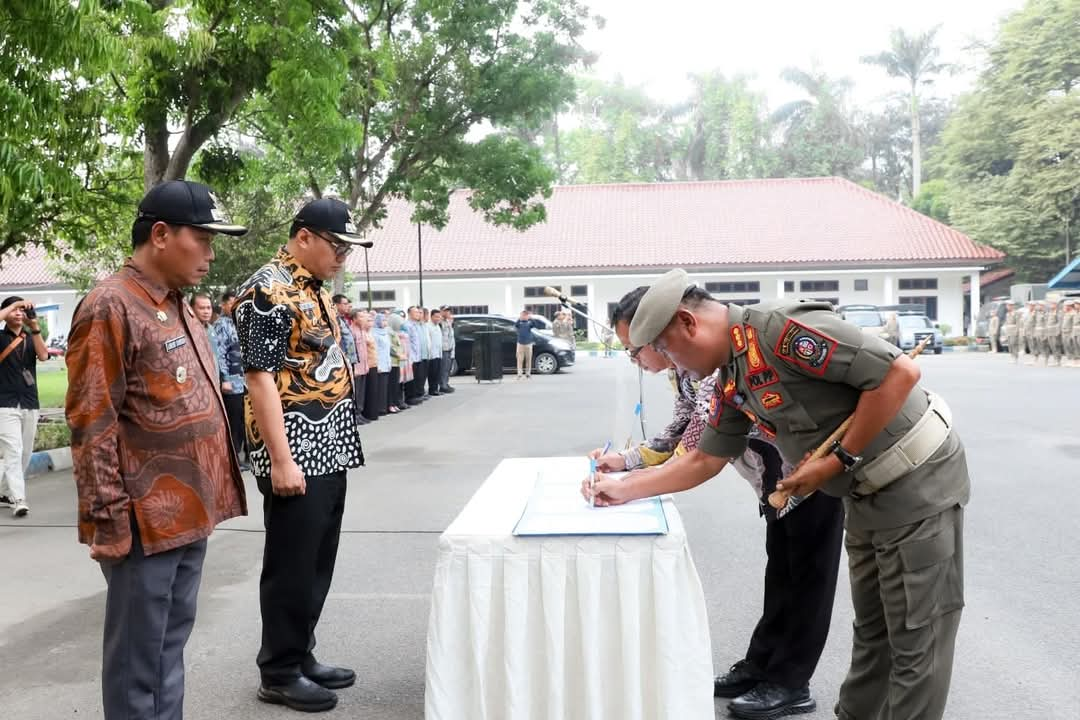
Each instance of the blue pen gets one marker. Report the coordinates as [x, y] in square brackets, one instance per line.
[592, 473]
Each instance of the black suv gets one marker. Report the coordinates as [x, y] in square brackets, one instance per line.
[550, 354]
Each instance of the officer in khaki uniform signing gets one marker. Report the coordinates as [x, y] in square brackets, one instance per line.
[797, 371]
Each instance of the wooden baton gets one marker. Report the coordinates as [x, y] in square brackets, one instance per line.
[778, 499]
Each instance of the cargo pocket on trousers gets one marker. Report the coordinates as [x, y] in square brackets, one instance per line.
[933, 582]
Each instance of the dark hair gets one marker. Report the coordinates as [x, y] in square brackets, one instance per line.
[695, 297]
[227, 296]
[140, 231]
[10, 301]
[295, 229]
[627, 307]
[339, 298]
[196, 296]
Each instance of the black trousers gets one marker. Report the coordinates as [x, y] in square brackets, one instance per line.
[382, 392]
[360, 393]
[434, 376]
[301, 546]
[419, 378]
[393, 389]
[234, 410]
[803, 550]
[371, 395]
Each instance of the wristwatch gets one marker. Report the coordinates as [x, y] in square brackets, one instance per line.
[849, 461]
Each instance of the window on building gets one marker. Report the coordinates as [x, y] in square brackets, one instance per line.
[862, 285]
[537, 291]
[819, 286]
[789, 286]
[547, 310]
[929, 302]
[918, 284]
[379, 296]
[749, 286]
[469, 309]
[579, 290]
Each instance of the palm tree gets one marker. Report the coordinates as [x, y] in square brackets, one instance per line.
[825, 95]
[913, 57]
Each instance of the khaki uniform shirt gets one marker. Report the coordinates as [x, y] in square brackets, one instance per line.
[797, 371]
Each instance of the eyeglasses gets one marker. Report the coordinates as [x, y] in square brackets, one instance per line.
[633, 352]
[341, 250]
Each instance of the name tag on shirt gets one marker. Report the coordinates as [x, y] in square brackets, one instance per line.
[176, 342]
[305, 306]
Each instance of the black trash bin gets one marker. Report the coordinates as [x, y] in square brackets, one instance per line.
[487, 355]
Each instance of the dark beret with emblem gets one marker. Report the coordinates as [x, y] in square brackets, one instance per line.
[658, 305]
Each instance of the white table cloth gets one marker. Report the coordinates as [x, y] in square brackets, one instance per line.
[563, 628]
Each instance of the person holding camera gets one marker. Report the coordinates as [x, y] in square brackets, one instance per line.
[21, 346]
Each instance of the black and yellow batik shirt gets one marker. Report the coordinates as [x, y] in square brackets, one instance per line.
[287, 326]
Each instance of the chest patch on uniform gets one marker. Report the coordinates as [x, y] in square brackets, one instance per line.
[754, 358]
[175, 343]
[738, 339]
[805, 347]
[772, 400]
[762, 378]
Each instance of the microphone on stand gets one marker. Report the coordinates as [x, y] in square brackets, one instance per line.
[552, 292]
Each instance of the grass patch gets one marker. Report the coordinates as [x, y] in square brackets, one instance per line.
[52, 387]
[52, 435]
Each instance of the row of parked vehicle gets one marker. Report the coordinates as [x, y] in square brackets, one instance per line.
[903, 325]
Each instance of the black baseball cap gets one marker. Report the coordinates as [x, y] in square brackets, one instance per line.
[332, 216]
[181, 202]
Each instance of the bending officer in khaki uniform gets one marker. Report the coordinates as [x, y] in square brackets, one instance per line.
[797, 371]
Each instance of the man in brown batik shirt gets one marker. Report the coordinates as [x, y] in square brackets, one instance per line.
[154, 466]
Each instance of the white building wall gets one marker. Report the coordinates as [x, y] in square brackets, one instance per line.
[59, 320]
[507, 295]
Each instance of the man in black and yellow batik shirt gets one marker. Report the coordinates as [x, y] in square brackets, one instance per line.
[302, 431]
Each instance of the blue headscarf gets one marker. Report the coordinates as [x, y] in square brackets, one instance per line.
[382, 343]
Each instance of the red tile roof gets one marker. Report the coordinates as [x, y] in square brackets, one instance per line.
[989, 278]
[736, 225]
[32, 268]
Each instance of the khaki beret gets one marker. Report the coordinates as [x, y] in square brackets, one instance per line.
[658, 306]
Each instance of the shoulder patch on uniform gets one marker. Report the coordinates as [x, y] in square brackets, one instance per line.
[737, 338]
[716, 409]
[772, 400]
[754, 358]
[808, 348]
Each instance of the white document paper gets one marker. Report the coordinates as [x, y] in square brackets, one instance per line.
[556, 507]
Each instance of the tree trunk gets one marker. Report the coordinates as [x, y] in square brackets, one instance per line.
[156, 152]
[916, 143]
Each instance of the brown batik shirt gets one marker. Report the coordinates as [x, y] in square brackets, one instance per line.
[287, 326]
[149, 433]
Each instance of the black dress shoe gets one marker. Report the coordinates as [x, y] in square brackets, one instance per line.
[769, 700]
[741, 678]
[448, 389]
[299, 694]
[333, 678]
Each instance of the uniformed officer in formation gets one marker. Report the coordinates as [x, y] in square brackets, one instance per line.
[1029, 334]
[1041, 342]
[994, 331]
[1012, 331]
[797, 371]
[1070, 332]
[1053, 334]
[1067, 316]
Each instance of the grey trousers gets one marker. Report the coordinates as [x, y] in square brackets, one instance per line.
[149, 613]
[907, 587]
[444, 381]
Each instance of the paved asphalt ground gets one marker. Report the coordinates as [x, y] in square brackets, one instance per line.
[1017, 655]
